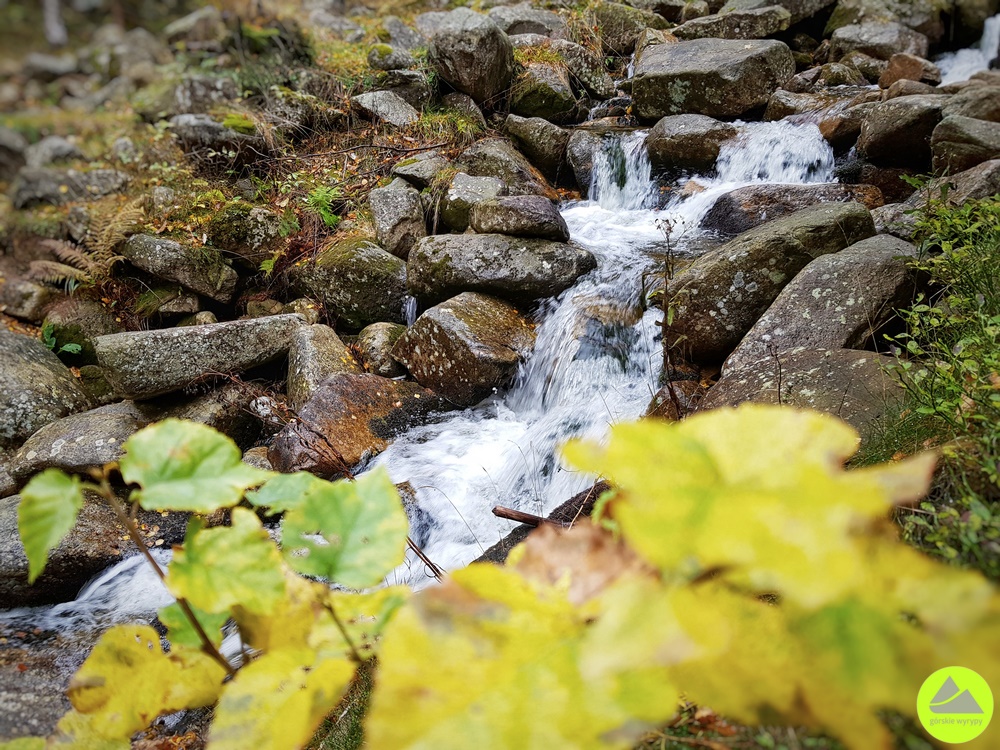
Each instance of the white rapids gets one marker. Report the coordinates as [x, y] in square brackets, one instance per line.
[960, 65]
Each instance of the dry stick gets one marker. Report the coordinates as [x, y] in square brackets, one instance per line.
[105, 490]
[396, 149]
[437, 572]
[526, 518]
[343, 631]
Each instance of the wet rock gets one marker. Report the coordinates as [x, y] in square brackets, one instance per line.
[904, 66]
[911, 88]
[257, 458]
[737, 24]
[35, 388]
[543, 142]
[675, 400]
[979, 102]
[472, 54]
[422, 168]
[960, 143]
[837, 74]
[526, 19]
[580, 150]
[838, 301]
[144, 364]
[78, 321]
[96, 543]
[687, 142]
[585, 67]
[897, 133]
[464, 193]
[387, 106]
[520, 216]
[466, 348]
[316, 352]
[870, 67]
[544, 90]
[619, 26]
[56, 187]
[356, 280]
[841, 128]
[201, 270]
[49, 150]
[715, 77]
[751, 206]
[511, 268]
[719, 297]
[247, 233]
[12, 148]
[349, 418]
[497, 157]
[398, 216]
[879, 40]
[375, 344]
[26, 300]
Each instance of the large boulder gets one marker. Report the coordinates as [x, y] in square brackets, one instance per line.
[959, 143]
[586, 68]
[421, 169]
[374, 346]
[471, 53]
[315, 353]
[509, 267]
[520, 216]
[978, 102]
[524, 18]
[349, 418]
[398, 215]
[687, 141]
[753, 205]
[497, 157]
[56, 187]
[464, 193]
[581, 147]
[838, 301]
[543, 89]
[719, 297]
[386, 106]
[249, 234]
[855, 386]
[357, 281]
[202, 270]
[799, 10]
[619, 26]
[144, 364]
[543, 142]
[736, 24]
[879, 40]
[897, 133]
[715, 77]
[35, 388]
[466, 348]
[78, 321]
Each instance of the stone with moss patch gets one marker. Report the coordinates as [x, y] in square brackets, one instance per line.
[200, 269]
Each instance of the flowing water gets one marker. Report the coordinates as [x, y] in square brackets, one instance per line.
[959, 66]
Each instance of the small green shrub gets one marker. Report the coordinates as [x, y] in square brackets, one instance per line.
[320, 201]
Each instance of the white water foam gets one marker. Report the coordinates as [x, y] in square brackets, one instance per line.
[961, 65]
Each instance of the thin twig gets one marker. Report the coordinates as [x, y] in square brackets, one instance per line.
[328, 606]
[349, 149]
[526, 518]
[437, 572]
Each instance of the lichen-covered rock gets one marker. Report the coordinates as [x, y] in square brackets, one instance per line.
[526, 19]
[412, 86]
[719, 297]
[508, 267]
[687, 141]
[374, 346]
[79, 321]
[838, 301]
[26, 300]
[736, 24]
[855, 386]
[619, 26]
[465, 192]
[386, 57]
[580, 150]
[49, 150]
[466, 348]
[980, 102]
[249, 234]
[56, 187]
[880, 40]
[422, 168]
[202, 135]
[398, 215]
[356, 280]
[585, 67]
[960, 143]
[387, 106]
[402, 36]
[543, 90]
[315, 353]
[349, 418]
[145, 364]
[753, 205]
[715, 77]
[897, 133]
[923, 16]
[35, 388]
[520, 216]
[470, 52]
[201, 269]
[543, 142]
[798, 9]
[497, 157]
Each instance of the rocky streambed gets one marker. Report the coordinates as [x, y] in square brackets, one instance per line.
[487, 287]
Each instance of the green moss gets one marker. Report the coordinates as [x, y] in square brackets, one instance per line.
[542, 53]
[382, 50]
[240, 123]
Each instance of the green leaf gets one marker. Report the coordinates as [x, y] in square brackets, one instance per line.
[225, 566]
[186, 466]
[283, 492]
[277, 702]
[353, 533]
[70, 348]
[24, 743]
[182, 633]
[49, 505]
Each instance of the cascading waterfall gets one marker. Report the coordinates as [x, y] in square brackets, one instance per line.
[960, 65]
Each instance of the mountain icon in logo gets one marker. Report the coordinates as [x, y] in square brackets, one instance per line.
[952, 700]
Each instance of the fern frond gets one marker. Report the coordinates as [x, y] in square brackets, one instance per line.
[71, 254]
[108, 229]
[56, 273]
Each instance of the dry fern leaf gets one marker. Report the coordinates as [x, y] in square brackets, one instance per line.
[53, 272]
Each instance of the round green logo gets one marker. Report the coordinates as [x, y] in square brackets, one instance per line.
[955, 705]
